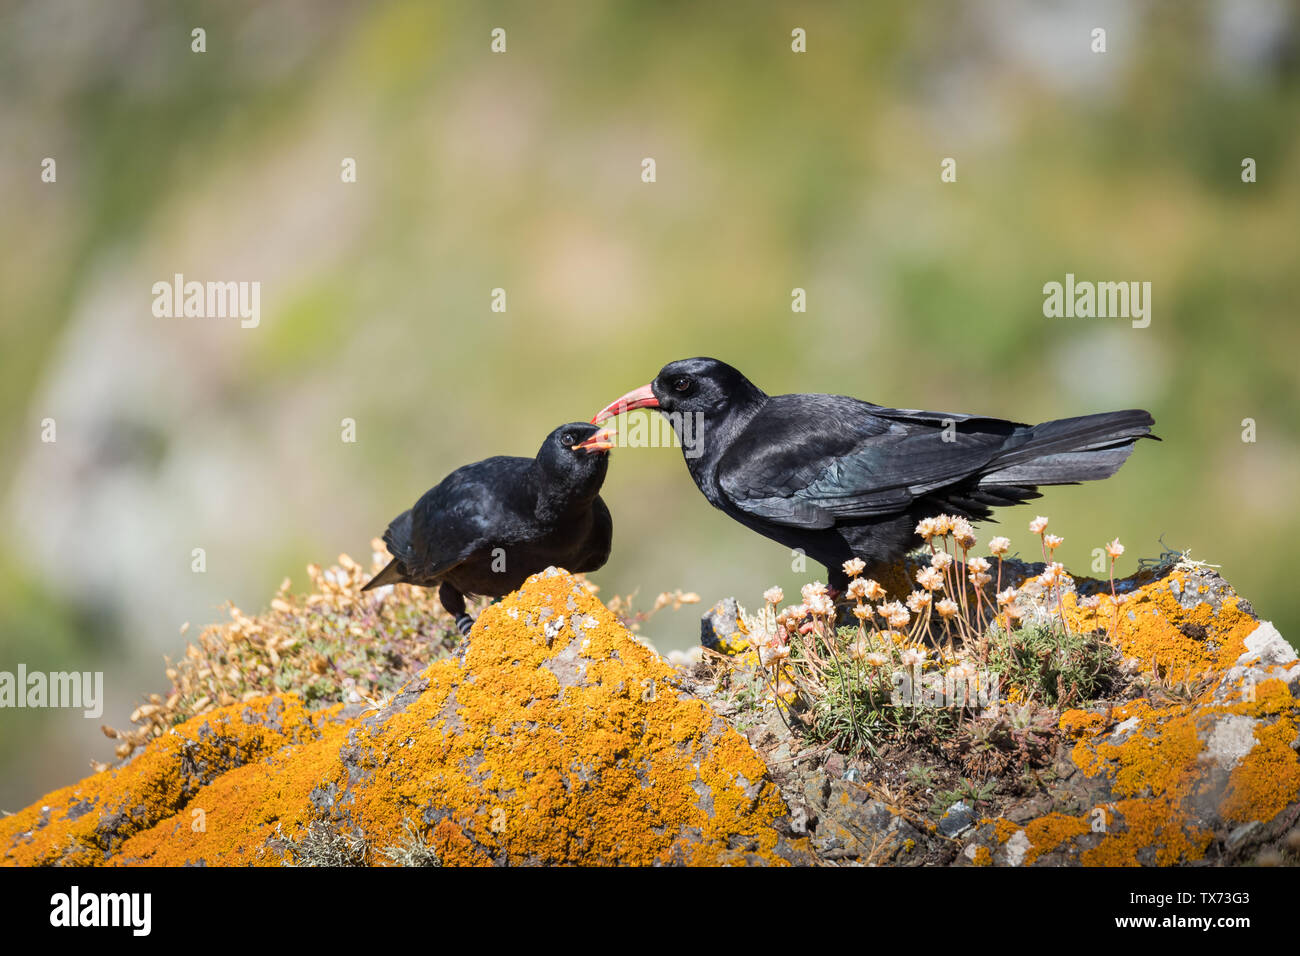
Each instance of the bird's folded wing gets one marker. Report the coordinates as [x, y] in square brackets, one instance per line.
[429, 563]
[421, 556]
[447, 528]
[809, 467]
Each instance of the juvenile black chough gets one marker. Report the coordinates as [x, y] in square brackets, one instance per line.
[840, 478]
[487, 526]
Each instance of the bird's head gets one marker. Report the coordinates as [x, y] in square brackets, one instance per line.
[702, 386]
[577, 452]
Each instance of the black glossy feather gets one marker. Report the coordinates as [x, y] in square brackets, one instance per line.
[489, 525]
[839, 477]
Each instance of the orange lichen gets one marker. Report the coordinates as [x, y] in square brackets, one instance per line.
[91, 821]
[1004, 830]
[982, 857]
[1267, 779]
[1159, 766]
[1271, 698]
[1048, 832]
[1159, 769]
[1156, 629]
[541, 765]
[1148, 825]
[230, 821]
[557, 739]
[1080, 722]
[1164, 762]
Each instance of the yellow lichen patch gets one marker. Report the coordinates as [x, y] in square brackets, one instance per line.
[1157, 768]
[732, 771]
[453, 848]
[88, 822]
[557, 739]
[1156, 629]
[1003, 830]
[572, 748]
[1079, 722]
[230, 821]
[1164, 762]
[1268, 777]
[1048, 832]
[1271, 698]
[1140, 762]
[1160, 767]
[982, 856]
[736, 646]
[1138, 825]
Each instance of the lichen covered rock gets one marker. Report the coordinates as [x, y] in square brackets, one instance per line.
[553, 737]
[1202, 768]
[1193, 760]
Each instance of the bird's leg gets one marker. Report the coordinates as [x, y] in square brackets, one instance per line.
[454, 603]
[837, 582]
[837, 587]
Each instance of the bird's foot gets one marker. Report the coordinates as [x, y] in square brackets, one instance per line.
[463, 624]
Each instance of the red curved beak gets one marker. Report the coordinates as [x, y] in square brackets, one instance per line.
[642, 397]
[602, 441]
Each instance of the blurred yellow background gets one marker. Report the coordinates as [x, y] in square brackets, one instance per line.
[522, 170]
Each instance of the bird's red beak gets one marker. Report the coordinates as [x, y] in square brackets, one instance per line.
[642, 397]
[602, 441]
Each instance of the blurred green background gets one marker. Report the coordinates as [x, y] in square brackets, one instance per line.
[522, 170]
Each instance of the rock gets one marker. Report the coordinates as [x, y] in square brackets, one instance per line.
[957, 820]
[1265, 647]
[1123, 729]
[1015, 849]
[553, 736]
[1238, 836]
[855, 826]
[1170, 778]
[1193, 762]
[556, 739]
[1292, 678]
[1035, 806]
[719, 624]
[1231, 738]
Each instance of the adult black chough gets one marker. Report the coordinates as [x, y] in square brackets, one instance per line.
[487, 526]
[840, 478]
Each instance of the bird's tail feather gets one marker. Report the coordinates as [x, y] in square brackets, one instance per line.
[398, 539]
[393, 573]
[1070, 449]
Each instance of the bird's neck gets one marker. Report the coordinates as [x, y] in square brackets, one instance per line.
[714, 434]
[559, 495]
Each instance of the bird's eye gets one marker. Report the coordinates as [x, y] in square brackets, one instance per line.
[567, 439]
[681, 384]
